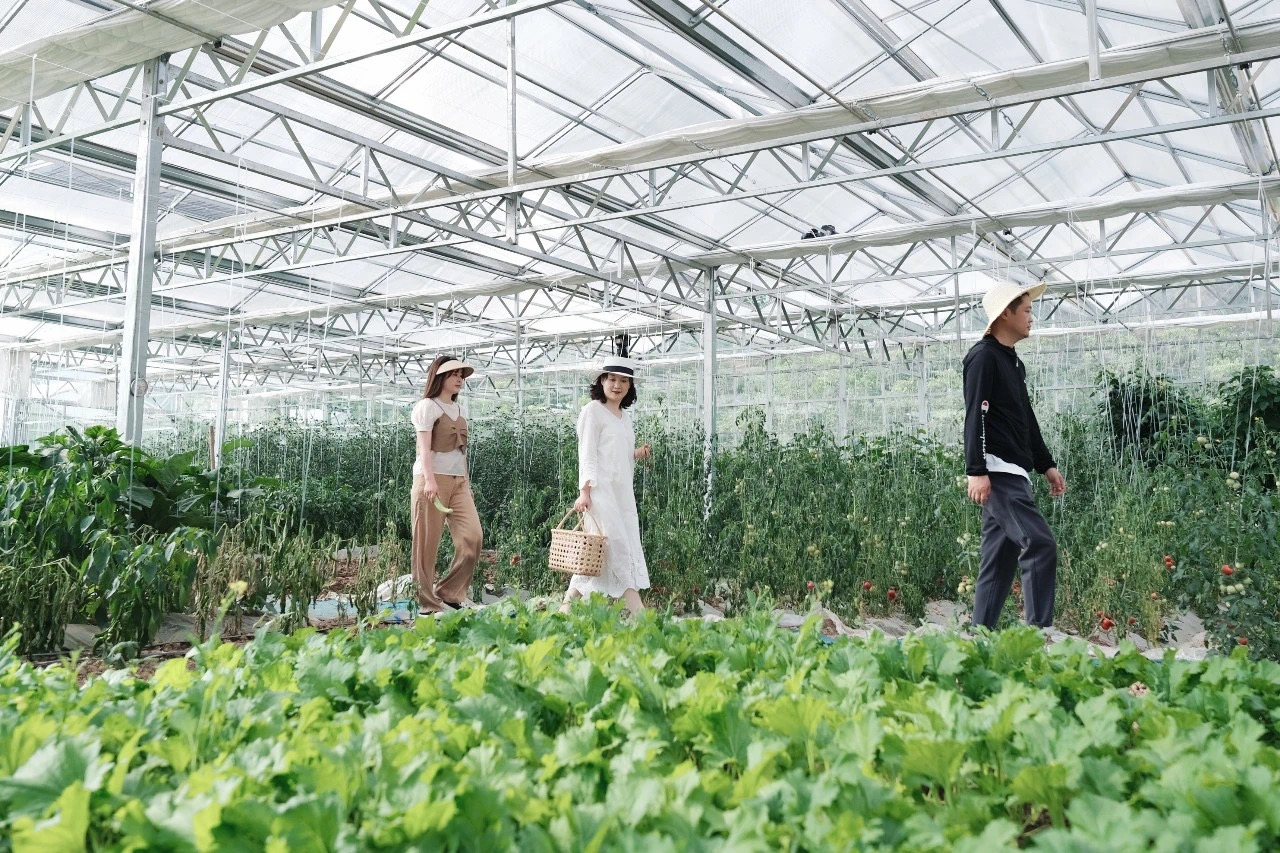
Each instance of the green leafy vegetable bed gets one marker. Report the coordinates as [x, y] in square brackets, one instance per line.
[532, 731]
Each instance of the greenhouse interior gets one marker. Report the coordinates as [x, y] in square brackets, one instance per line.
[733, 535]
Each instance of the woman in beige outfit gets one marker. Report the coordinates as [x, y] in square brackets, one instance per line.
[440, 473]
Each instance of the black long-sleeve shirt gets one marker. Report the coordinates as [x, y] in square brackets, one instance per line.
[994, 375]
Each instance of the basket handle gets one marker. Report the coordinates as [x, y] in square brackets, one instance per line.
[577, 526]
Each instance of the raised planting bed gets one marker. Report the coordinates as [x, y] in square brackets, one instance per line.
[513, 728]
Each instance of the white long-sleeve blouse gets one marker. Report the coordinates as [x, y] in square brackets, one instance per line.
[606, 446]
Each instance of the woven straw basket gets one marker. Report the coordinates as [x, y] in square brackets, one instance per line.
[574, 551]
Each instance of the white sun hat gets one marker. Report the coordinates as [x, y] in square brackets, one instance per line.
[1001, 296]
[620, 362]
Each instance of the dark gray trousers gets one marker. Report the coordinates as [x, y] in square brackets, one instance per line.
[1013, 532]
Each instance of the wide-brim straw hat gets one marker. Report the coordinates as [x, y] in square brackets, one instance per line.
[618, 364]
[1001, 296]
[452, 365]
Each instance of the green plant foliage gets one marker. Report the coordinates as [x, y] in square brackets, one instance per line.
[297, 570]
[40, 599]
[1250, 407]
[346, 482]
[390, 561]
[882, 522]
[1144, 412]
[1149, 469]
[136, 580]
[103, 530]
[522, 730]
[236, 561]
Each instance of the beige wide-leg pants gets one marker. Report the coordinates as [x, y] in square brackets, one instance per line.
[428, 524]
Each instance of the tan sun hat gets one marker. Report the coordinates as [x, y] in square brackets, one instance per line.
[1001, 296]
[452, 365]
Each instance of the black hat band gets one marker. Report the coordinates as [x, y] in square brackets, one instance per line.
[617, 368]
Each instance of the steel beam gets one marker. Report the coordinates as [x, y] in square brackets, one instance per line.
[550, 349]
[1013, 152]
[842, 403]
[317, 35]
[597, 219]
[1228, 93]
[513, 201]
[18, 276]
[224, 393]
[1091, 26]
[234, 89]
[718, 45]
[709, 346]
[131, 385]
[737, 261]
[746, 257]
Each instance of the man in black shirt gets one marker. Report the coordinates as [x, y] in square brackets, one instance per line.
[1002, 443]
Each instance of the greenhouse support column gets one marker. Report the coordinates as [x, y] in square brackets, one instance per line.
[1091, 19]
[519, 375]
[955, 287]
[24, 133]
[132, 380]
[317, 35]
[768, 394]
[884, 404]
[709, 389]
[513, 204]
[15, 387]
[1266, 265]
[924, 386]
[842, 402]
[697, 394]
[224, 394]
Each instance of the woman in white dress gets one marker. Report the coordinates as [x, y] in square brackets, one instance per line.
[607, 455]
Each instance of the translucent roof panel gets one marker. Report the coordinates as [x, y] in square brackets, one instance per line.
[669, 156]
